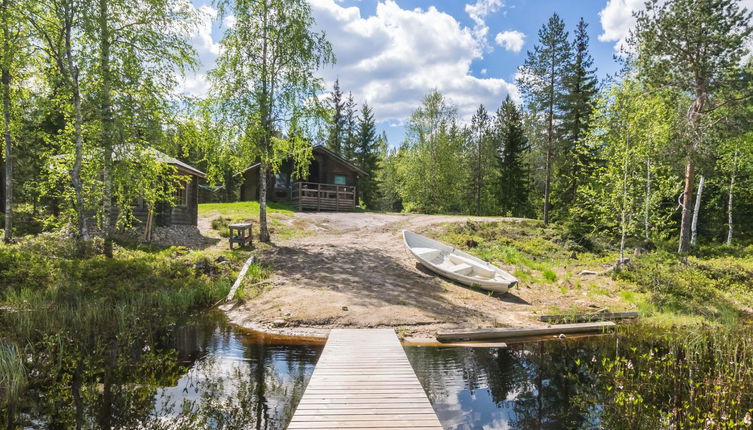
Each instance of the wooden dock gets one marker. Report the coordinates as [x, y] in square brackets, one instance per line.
[363, 380]
[507, 333]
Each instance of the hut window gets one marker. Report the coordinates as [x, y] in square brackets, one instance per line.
[340, 180]
[181, 194]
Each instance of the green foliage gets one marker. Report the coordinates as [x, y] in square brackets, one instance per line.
[716, 288]
[367, 156]
[513, 185]
[264, 83]
[430, 166]
[481, 149]
[574, 161]
[674, 378]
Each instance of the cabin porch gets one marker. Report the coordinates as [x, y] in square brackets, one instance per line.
[323, 197]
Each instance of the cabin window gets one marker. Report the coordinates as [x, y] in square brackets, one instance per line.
[181, 194]
[340, 180]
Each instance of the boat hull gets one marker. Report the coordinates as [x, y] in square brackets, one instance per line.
[457, 265]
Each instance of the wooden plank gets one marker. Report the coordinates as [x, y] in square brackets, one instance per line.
[605, 316]
[363, 380]
[501, 333]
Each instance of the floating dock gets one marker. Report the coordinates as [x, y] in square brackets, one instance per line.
[506, 333]
[363, 380]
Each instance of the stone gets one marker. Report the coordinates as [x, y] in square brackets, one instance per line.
[279, 323]
[345, 308]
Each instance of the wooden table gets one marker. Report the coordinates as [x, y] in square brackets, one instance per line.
[363, 380]
[243, 234]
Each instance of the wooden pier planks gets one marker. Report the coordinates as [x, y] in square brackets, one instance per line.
[503, 333]
[363, 380]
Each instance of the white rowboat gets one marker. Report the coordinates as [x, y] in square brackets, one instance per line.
[457, 265]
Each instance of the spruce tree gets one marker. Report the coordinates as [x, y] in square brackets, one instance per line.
[367, 154]
[337, 120]
[350, 130]
[480, 148]
[514, 184]
[542, 81]
[581, 86]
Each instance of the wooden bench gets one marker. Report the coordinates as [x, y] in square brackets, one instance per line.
[243, 234]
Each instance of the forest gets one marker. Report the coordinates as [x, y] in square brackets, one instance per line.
[646, 174]
[660, 152]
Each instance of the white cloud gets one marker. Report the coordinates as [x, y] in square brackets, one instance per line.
[392, 59]
[478, 13]
[511, 40]
[207, 49]
[617, 20]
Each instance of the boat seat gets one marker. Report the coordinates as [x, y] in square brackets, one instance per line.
[427, 253]
[478, 268]
[461, 269]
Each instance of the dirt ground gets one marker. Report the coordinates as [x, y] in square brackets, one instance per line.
[352, 270]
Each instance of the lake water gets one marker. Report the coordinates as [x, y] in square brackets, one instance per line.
[205, 373]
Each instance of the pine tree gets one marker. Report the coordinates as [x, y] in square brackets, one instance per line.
[514, 184]
[581, 85]
[337, 121]
[542, 81]
[350, 130]
[367, 154]
[694, 47]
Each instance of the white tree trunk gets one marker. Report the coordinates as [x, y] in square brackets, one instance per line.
[263, 229]
[646, 223]
[729, 201]
[624, 215]
[696, 211]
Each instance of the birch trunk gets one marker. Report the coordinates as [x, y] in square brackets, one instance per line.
[729, 200]
[79, 139]
[263, 229]
[623, 215]
[696, 211]
[646, 223]
[8, 138]
[107, 124]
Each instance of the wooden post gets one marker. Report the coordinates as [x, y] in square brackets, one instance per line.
[300, 196]
[337, 198]
[318, 197]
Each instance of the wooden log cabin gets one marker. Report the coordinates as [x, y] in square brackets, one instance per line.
[330, 185]
[183, 210]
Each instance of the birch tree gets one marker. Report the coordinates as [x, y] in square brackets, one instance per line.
[141, 47]
[692, 47]
[58, 27]
[14, 34]
[264, 82]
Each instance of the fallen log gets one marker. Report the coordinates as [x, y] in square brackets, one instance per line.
[576, 318]
[237, 283]
[502, 333]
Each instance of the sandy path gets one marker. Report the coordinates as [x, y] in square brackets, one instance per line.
[353, 270]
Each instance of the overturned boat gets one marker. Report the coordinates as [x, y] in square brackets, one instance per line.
[457, 265]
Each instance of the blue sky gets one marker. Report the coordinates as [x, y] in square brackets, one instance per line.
[392, 52]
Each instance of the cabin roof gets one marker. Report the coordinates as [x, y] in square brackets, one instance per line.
[324, 150]
[181, 166]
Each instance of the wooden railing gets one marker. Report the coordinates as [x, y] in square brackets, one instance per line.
[323, 197]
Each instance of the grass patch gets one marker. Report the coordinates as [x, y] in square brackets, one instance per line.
[713, 285]
[549, 275]
[243, 209]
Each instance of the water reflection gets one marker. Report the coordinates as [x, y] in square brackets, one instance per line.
[235, 380]
[529, 386]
